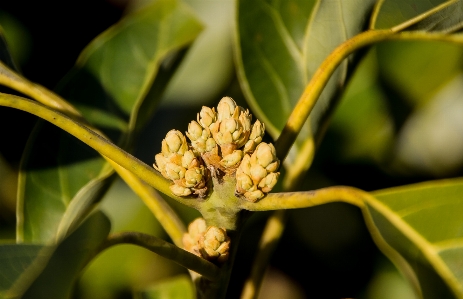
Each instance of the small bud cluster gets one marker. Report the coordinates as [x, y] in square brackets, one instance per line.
[181, 165]
[210, 243]
[257, 174]
[226, 143]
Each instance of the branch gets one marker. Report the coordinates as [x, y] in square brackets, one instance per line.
[167, 250]
[97, 142]
[305, 199]
[169, 220]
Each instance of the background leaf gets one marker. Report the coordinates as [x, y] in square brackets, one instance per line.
[394, 12]
[448, 19]
[423, 224]
[179, 287]
[15, 259]
[281, 44]
[120, 72]
[35, 271]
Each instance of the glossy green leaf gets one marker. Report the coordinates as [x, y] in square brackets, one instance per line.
[36, 271]
[15, 259]
[281, 44]
[391, 13]
[179, 287]
[449, 19]
[421, 229]
[116, 84]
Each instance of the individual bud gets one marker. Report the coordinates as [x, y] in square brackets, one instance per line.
[194, 177]
[264, 154]
[180, 190]
[196, 230]
[210, 145]
[229, 130]
[227, 108]
[243, 182]
[253, 196]
[174, 143]
[232, 129]
[161, 162]
[201, 138]
[267, 184]
[207, 116]
[257, 133]
[195, 131]
[174, 171]
[214, 245]
[232, 159]
[257, 173]
[189, 160]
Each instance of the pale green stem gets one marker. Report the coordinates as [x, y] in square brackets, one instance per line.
[17, 82]
[313, 90]
[97, 142]
[269, 240]
[167, 250]
[305, 199]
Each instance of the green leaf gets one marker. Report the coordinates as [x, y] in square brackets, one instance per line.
[116, 84]
[36, 271]
[15, 259]
[115, 73]
[391, 13]
[179, 287]
[448, 19]
[281, 44]
[421, 229]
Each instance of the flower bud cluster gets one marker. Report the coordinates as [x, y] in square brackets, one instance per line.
[224, 142]
[210, 243]
[257, 174]
[181, 165]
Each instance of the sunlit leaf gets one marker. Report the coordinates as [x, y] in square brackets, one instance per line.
[421, 229]
[448, 19]
[281, 44]
[394, 12]
[118, 77]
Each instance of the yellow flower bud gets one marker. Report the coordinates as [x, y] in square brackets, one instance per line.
[226, 108]
[207, 116]
[179, 190]
[214, 245]
[232, 159]
[196, 230]
[174, 171]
